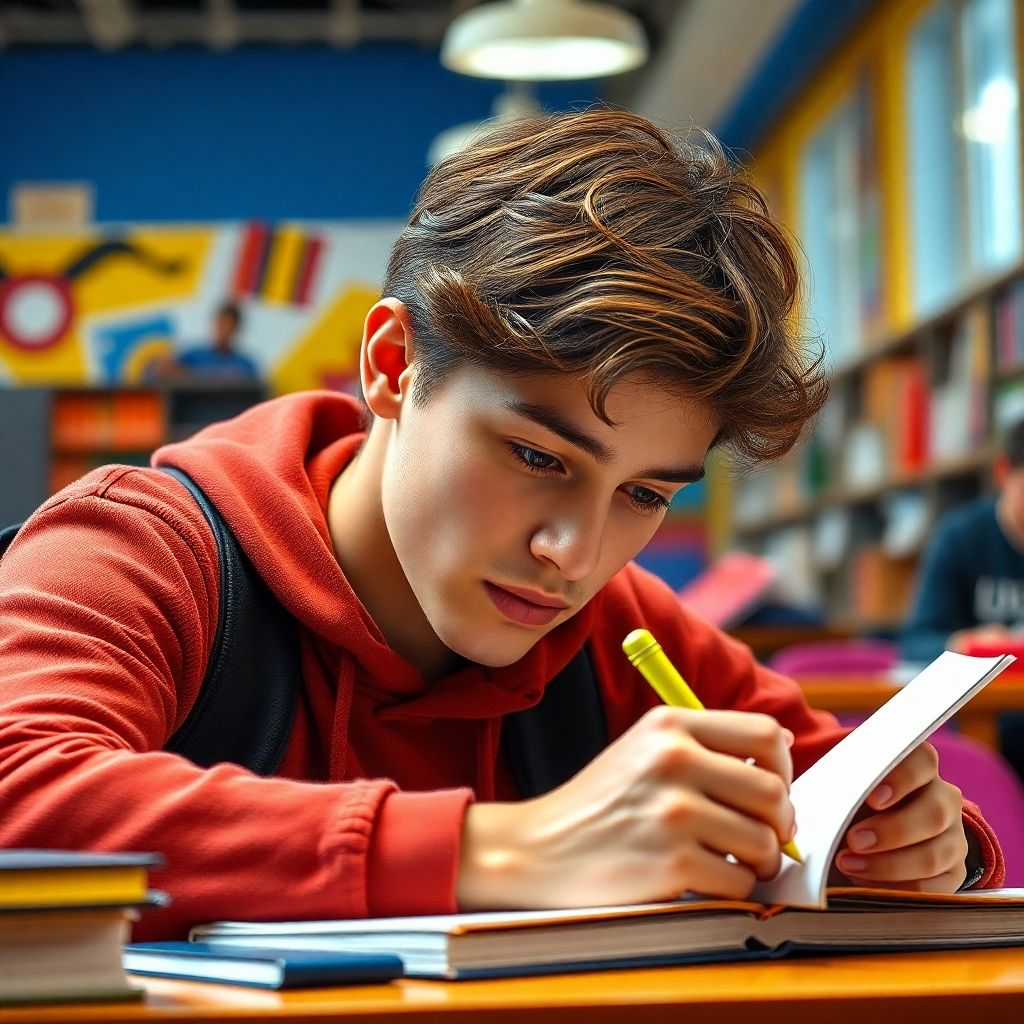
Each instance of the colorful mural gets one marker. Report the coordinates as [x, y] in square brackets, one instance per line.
[101, 306]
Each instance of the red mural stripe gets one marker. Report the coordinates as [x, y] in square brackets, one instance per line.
[253, 246]
[260, 276]
[307, 271]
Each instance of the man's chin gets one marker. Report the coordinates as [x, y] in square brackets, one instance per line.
[490, 651]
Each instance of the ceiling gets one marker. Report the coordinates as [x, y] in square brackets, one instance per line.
[222, 24]
[702, 51]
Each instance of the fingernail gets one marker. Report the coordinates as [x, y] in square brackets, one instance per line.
[789, 737]
[863, 839]
[851, 864]
[883, 795]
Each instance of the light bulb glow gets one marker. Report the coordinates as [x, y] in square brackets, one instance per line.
[551, 59]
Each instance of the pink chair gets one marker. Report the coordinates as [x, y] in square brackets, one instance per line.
[835, 657]
[987, 778]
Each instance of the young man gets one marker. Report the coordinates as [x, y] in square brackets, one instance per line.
[575, 314]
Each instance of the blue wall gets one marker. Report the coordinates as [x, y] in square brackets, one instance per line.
[192, 134]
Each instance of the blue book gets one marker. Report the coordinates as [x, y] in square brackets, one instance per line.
[263, 968]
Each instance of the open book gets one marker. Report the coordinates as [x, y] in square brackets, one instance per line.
[686, 931]
[825, 797]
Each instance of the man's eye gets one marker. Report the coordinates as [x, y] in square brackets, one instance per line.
[540, 462]
[646, 500]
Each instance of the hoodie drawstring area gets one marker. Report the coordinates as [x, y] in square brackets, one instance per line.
[342, 713]
[487, 738]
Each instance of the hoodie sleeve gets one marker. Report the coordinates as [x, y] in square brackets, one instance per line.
[107, 614]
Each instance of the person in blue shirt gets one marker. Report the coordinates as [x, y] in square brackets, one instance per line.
[971, 586]
[219, 359]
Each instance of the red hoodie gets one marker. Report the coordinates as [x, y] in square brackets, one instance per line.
[108, 606]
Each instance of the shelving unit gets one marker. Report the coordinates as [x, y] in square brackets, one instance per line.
[911, 430]
[50, 437]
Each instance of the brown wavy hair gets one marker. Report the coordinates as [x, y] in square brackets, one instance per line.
[591, 244]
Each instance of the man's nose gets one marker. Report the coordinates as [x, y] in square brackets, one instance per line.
[572, 541]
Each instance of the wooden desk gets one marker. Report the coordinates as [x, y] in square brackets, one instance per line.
[979, 985]
[766, 640]
[864, 694]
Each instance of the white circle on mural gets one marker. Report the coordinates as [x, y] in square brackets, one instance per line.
[34, 311]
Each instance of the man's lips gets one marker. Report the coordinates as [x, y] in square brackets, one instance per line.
[535, 597]
[527, 607]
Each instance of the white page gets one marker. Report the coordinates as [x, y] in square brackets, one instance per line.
[829, 793]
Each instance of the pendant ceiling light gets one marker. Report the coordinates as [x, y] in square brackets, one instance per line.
[544, 40]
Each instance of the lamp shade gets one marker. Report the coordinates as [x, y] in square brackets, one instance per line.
[544, 40]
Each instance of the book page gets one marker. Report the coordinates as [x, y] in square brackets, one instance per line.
[828, 794]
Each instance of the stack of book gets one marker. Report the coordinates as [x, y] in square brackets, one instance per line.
[63, 918]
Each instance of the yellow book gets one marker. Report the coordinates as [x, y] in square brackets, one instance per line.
[52, 879]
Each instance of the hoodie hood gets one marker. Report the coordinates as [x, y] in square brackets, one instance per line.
[269, 471]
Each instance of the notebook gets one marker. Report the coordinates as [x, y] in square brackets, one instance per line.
[730, 589]
[825, 798]
[263, 968]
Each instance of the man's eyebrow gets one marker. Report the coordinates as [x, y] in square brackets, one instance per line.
[552, 420]
[675, 475]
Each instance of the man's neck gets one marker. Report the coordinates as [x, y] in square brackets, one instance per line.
[363, 548]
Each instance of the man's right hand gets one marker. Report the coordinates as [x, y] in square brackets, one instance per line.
[654, 815]
[989, 633]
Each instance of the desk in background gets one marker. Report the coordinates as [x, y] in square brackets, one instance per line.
[850, 694]
[939, 988]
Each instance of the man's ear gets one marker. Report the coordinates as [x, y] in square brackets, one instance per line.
[385, 359]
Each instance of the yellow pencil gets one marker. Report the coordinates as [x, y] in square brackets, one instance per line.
[646, 655]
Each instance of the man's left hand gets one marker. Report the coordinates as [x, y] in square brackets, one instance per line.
[910, 833]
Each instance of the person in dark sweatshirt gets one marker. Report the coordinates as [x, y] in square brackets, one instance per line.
[578, 311]
[971, 586]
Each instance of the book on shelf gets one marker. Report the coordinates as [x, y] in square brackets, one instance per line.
[260, 968]
[1009, 327]
[794, 910]
[63, 918]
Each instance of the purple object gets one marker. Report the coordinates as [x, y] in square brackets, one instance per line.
[854, 657]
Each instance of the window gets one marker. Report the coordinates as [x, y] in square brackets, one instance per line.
[963, 145]
[840, 227]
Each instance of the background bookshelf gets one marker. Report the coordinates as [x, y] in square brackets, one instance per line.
[898, 169]
[911, 430]
[51, 436]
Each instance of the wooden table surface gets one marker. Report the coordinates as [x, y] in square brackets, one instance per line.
[852, 694]
[975, 985]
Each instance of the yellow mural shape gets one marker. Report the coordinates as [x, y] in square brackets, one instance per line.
[329, 350]
[282, 268]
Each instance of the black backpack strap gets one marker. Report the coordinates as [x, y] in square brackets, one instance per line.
[549, 743]
[7, 534]
[246, 704]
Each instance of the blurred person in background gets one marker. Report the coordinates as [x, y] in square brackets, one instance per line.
[970, 593]
[218, 358]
